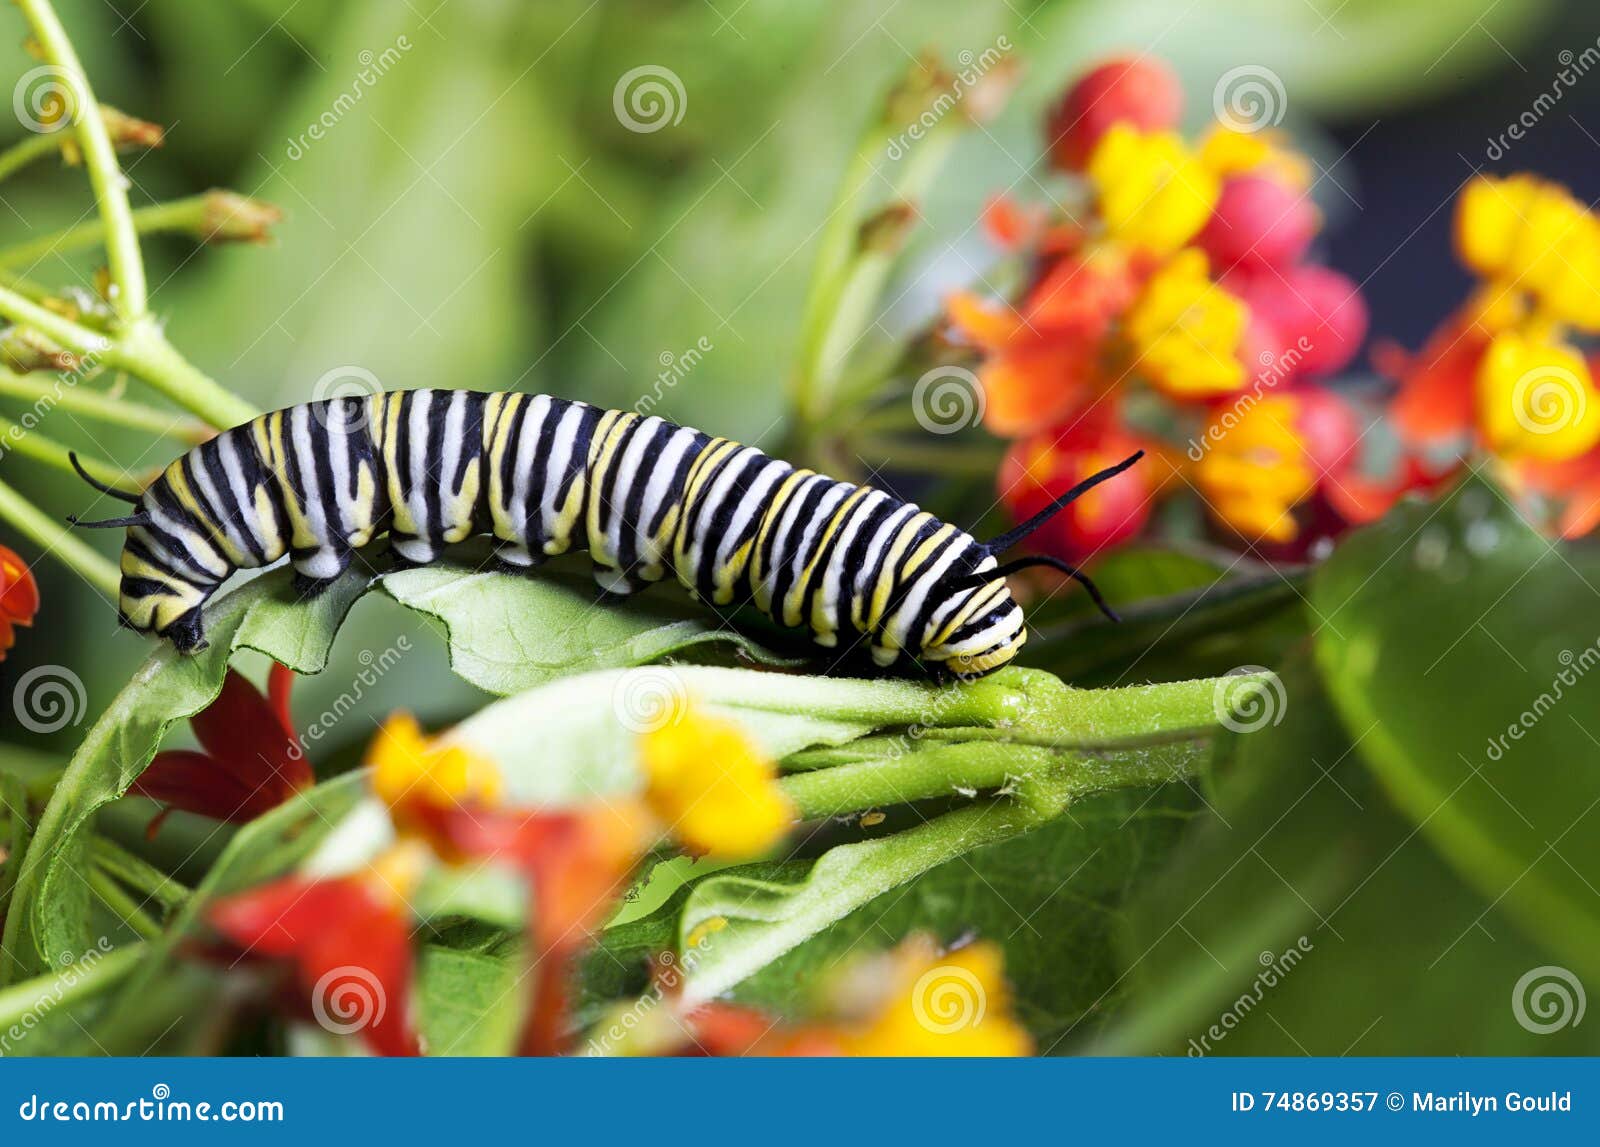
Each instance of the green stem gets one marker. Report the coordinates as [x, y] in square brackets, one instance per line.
[129, 296]
[138, 873]
[14, 158]
[39, 447]
[142, 351]
[102, 407]
[122, 905]
[54, 538]
[945, 770]
[179, 215]
[61, 986]
[851, 270]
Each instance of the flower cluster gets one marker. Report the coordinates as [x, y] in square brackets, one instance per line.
[1504, 374]
[1177, 311]
[703, 782]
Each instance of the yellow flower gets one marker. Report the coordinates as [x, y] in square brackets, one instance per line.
[1227, 152]
[412, 771]
[1257, 469]
[1186, 330]
[1533, 236]
[1152, 193]
[952, 1005]
[1537, 399]
[715, 789]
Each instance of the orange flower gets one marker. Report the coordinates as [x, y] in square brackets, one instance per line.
[1041, 468]
[1044, 358]
[1437, 398]
[19, 597]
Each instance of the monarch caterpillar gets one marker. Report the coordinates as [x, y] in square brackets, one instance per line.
[542, 475]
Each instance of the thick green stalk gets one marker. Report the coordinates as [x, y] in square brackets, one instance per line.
[62, 986]
[129, 294]
[103, 407]
[54, 538]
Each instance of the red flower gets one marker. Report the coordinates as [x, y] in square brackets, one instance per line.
[1140, 91]
[1437, 402]
[251, 760]
[350, 941]
[1039, 469]
[1258, 221]
[1317, 315]
[576, 863]
[19, 597]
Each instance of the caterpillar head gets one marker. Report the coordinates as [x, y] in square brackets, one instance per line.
[161, 592]
[979, 627]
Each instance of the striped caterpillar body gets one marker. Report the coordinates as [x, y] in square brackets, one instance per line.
[544, 475]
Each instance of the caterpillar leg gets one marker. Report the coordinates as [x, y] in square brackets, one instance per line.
[186, 633]
[316, 570]
[412, 551]
[514, 558]
[616, 583]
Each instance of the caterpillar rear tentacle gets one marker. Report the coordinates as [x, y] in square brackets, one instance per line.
[647, 499]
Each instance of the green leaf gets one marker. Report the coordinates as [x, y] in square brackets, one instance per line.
[49, 915]
[1461, 650]
[471, 991]
[46, 1015]
[508, 634]
[1300, 883]
[736, 923]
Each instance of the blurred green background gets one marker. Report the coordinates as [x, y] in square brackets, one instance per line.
[480, 217]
